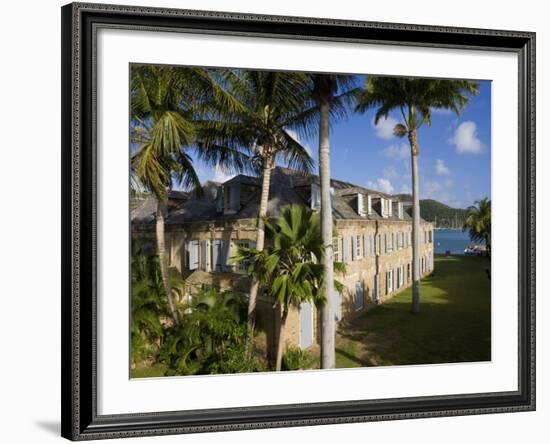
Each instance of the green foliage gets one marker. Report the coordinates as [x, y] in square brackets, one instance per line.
[147, 304]
[211, 337]
[294, 358]
[291, 264]
[478, 222]
[414, 98]
[269, 103]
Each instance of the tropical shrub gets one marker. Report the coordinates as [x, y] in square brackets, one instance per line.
[210, 338]
[147, 303]
[294, 358]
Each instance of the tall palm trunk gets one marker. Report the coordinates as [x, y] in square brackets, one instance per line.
[416, 223]
[161, 246]
[281, 342]
[328, 358]
[260, 241]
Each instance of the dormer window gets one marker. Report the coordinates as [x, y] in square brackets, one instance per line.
[361, 205]
[219, 199]
[385, 205]
[232, 198]
[315, 199]
[369, 204]
[390, 208]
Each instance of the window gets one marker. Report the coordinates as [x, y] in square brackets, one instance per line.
[408, 272]
[204, 255]
[369, 204]
[430, 236]
[403, 239]
[393, 241]
[354, 242]
[389, 281]
[220, 255]
[242, 267]
[232, 197]
[376, 291]
[358, 246]
[336, 249]
[366, 245]
[361, 205]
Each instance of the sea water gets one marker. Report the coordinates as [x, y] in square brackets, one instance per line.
[454, 241]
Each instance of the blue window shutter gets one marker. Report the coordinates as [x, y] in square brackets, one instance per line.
[225, 255]
[345, 249]
[193, 255]
[204, 255]
[353, 248]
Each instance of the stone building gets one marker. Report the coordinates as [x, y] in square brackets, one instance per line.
[373, 238]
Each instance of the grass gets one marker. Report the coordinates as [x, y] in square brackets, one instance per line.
[454, 324]
[153, 371]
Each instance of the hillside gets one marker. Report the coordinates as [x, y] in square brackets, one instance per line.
[434, 211]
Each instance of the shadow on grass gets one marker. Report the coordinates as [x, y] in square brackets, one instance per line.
[454, 324]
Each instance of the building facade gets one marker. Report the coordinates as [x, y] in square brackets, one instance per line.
[373, 237]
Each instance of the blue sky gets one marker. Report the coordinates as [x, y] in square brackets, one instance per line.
[454, 161]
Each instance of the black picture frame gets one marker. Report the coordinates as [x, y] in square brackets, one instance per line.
[80, 420]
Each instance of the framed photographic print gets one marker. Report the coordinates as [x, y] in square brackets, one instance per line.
[278, 221]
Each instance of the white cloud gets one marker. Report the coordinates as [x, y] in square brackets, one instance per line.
[441, 169]
[381, 184]
[295, 136]
[384, 128]
[465, 138]
[397, 151]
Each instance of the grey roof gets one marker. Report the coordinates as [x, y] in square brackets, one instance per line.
[287, 186]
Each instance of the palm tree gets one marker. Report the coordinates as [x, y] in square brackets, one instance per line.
[165, 102]
[414, 98]
[270, 104]
[330, 92]
[291, 265]
[478, 222]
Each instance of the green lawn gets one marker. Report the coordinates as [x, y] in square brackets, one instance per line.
[454, 324]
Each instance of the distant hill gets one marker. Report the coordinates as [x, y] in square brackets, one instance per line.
[439, 213]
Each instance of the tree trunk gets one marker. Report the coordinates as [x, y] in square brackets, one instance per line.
[260, 241]
[416, 223]
[328, 358]
[281, 342]
[161, 247]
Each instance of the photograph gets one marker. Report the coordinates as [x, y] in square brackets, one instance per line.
[303, 221]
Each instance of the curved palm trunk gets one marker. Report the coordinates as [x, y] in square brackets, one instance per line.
[161, 247]
[260, 241]
[281, 342]
[416, 223]
[328, 358]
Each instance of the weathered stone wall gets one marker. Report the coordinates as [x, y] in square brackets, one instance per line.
[360, 271]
